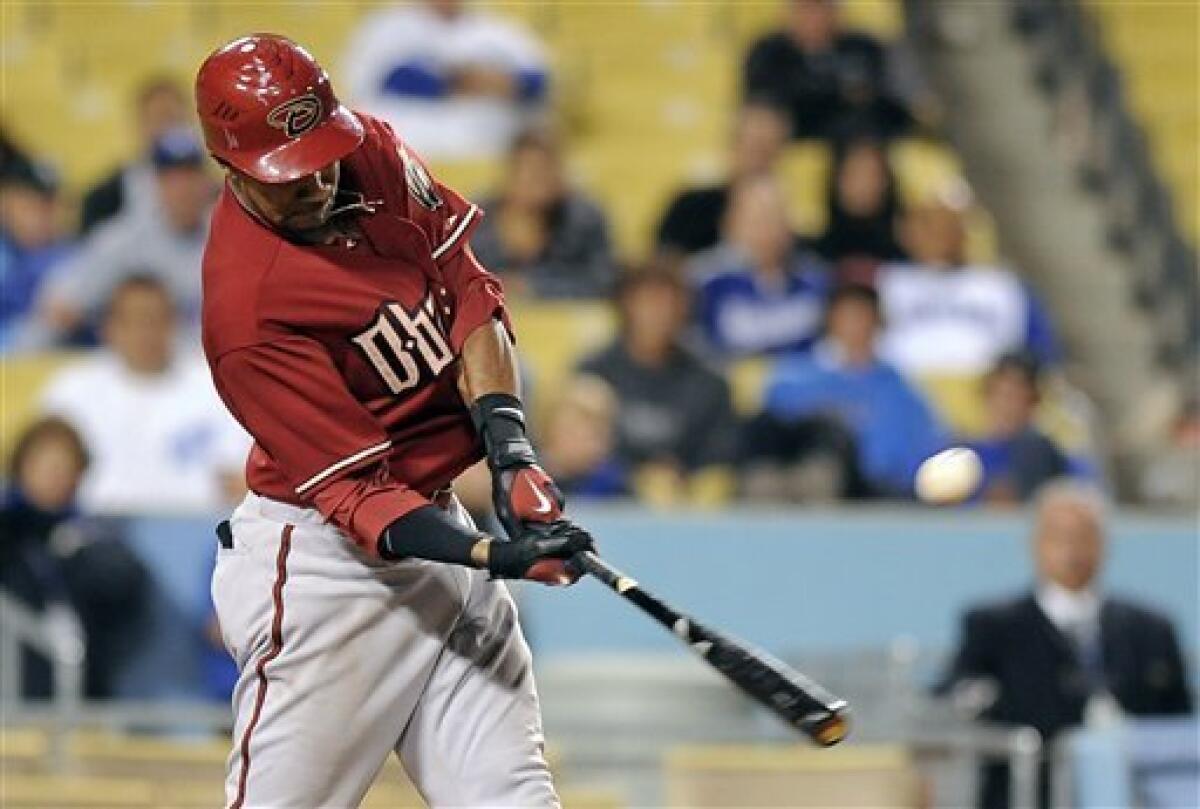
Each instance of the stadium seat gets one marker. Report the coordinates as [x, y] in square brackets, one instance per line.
[1155, 47]
[789, 776]
[127, 756]
[748, 378]
[68, 792]
[23, 750]
[552, 339]
[24, 377]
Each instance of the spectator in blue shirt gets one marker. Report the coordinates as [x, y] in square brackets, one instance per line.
[758, 292]
[31, 243]
[842, 399]
[1017, 457]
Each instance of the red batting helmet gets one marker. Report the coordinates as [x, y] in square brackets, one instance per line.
[267, 109]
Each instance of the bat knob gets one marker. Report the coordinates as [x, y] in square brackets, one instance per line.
[832, 729]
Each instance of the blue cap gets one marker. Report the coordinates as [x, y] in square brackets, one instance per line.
[177, 147]
[31, 174]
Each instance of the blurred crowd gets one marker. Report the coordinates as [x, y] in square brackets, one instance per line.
[839, 331]
[845, 325]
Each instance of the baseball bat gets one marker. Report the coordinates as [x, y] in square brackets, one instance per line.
[790, 695]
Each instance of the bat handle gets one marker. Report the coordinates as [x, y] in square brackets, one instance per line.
[589, 562]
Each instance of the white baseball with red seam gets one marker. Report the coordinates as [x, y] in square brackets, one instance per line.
[949, 477]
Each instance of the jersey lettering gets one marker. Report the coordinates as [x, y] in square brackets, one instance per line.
[397, 339]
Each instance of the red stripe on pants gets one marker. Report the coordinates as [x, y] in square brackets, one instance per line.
[285, 545]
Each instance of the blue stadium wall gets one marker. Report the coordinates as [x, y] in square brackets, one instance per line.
[795, 582]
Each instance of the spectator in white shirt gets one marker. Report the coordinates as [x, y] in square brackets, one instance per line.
[159, 437]
[454, 83]
[945, 316]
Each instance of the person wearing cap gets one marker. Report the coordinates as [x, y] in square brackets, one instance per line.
[160, 105]
[32, 244]
[350, 329]
[166, 242]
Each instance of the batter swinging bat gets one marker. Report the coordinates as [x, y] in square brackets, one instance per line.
[789, 694]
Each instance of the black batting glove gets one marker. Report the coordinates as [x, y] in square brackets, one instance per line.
[540, 554]
[522, 493]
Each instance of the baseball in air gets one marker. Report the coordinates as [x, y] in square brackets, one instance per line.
[949, 477]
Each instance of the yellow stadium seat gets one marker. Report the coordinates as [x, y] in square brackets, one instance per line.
[471, 178]
[805, 169]
[554, 337]
[68, 792]
[957, 399]
[22, 378]
[882, 777]
[923, 168]
[23, 750]
[883, 18]
[748, 380]
[1155, 45]
[120, 755]
[590, 798]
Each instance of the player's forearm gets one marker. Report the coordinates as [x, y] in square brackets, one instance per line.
[491, 388]
[489, 363]
[430, 533]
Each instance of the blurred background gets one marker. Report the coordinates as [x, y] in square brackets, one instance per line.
[763, 258]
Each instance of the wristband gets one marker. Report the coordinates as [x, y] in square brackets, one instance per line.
[499, 418]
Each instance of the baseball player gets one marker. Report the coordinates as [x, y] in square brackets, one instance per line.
[351, 331]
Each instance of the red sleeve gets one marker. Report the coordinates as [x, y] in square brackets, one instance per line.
[288, 395]
[478, 295]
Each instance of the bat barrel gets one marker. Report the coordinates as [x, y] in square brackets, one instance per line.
[831, 729]
[797, 700]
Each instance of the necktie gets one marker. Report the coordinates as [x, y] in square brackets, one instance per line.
[1085, 637]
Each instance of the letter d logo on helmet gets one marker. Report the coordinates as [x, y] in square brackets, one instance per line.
[297, 116]
[268, 110]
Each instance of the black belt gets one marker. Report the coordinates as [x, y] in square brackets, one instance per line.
[225, 535]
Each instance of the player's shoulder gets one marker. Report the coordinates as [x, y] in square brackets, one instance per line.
[238, 261]
[237, 240]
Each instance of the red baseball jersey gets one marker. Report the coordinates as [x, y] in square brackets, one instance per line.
[342, 359]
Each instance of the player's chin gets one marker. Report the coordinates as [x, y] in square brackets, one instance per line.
[552, 572]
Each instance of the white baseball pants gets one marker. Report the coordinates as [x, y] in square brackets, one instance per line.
[344, 658]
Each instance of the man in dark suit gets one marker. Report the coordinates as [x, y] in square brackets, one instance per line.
[1066, 653]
